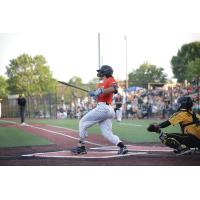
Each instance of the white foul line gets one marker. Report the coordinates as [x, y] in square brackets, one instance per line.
[65, 135]
[69, 129]
[127, 124]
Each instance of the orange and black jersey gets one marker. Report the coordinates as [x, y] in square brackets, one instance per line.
[109, 82]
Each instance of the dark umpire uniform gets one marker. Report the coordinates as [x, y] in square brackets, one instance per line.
[118, 102]
[190, 127]
[22, 105]
[118, 106]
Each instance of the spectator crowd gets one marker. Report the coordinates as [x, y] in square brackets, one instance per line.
[160, 102]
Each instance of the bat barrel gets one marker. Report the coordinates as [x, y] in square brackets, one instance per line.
[74, 86]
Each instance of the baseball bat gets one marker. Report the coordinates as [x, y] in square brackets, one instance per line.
[74, 86]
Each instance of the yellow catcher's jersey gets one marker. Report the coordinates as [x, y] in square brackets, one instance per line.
[184, 117]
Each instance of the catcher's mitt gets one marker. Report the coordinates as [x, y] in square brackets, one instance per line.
[153, 128]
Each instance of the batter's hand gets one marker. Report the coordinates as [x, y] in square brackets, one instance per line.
[96, 93]
[153, 128]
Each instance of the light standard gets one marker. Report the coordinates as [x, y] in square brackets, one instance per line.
[125, 38]
[99, 50]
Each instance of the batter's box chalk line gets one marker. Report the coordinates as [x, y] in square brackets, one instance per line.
[89, 155]
[138, 148]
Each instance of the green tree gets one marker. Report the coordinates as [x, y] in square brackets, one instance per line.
[30, 75]
[180, 62]
[145, 74]
[78, 82]
[93, 84]
[3, 88]
[72, 94]
[43, 76]
[193, 69]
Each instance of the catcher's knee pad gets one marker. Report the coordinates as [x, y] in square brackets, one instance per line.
[171, 142]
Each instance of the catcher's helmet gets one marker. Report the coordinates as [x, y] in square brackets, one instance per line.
[185, 102]
[105, 70]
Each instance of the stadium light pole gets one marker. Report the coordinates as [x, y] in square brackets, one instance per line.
[125, 38]
[99, 50]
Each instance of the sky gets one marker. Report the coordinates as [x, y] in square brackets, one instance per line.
[76, 54]
[66, 34]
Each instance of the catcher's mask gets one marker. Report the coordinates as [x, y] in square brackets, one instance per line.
[105, 70]
[185, 103]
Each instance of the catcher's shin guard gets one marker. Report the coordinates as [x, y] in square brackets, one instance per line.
[171, 142]
[162, 136]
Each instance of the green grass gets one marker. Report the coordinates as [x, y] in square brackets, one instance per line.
[128, 130]
[13, 137]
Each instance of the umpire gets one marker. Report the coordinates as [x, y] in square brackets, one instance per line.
[22, 105]
[190, 127]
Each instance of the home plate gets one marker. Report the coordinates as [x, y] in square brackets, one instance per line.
[90, 154]
[138, 148]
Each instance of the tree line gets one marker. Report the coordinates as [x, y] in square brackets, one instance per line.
[32, 76]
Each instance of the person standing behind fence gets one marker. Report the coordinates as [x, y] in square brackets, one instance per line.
[22, 106]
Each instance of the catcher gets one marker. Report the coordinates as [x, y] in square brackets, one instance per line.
[190, 126]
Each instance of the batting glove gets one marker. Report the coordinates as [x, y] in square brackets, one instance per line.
[96, 93]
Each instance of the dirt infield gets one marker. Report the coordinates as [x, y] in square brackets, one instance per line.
[100, 153]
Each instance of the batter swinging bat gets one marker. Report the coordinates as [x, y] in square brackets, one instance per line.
[73, 86]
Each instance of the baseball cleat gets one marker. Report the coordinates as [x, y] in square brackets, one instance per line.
[22, 124]
[185, 151]
[123, 151]
[79, 150]
[196, 150]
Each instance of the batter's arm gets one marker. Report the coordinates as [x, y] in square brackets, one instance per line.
[101, 90]
[164, 124]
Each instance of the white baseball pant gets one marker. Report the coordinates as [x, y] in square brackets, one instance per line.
[103, 115]
[119, 114]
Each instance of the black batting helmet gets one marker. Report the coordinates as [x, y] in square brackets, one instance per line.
[185, 102]
[105, 70]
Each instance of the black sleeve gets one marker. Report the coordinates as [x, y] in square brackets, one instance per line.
[164, 124]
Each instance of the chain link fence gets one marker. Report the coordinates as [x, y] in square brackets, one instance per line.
[44, 106]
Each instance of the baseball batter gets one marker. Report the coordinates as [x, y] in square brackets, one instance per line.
[102, 114]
